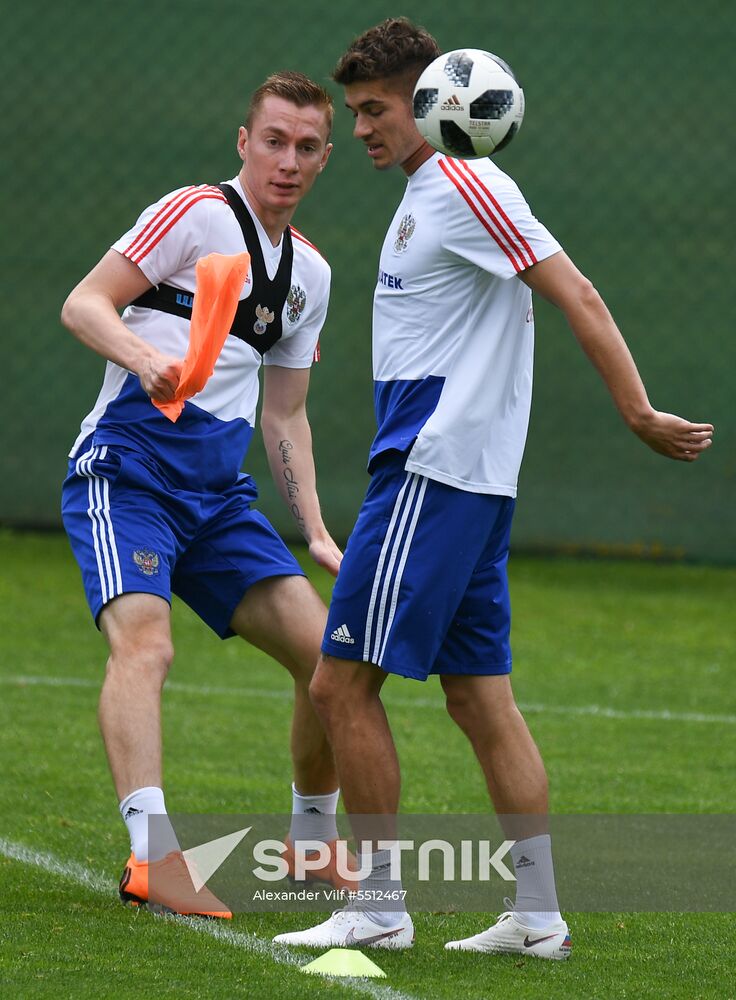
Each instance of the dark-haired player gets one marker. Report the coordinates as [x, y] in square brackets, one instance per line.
[422, 588]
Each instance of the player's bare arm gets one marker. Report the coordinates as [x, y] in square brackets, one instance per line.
[288, 441]
[560, 282]
[91, 314]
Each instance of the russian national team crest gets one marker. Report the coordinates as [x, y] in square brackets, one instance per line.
[295, 302]
[146, 561]
[405, 233]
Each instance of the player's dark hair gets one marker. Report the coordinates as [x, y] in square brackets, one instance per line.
[395, 48]
[294, 87]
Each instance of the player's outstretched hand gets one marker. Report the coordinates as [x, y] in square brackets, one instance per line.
[673, 436]
[160, 376]
[325, 553]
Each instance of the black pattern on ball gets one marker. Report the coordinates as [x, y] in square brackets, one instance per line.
[492, 104]
[424, 100]
[458, 67]
[454, 140]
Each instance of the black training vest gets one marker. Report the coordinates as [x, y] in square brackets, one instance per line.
[258, 318]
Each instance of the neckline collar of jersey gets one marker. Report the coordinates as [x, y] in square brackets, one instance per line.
[424, 167]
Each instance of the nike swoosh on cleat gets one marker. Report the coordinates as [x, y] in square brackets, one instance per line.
[351, 938]
[529, 944]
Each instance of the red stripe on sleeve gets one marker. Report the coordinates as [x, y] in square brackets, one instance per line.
[480, 217]
[524, 243]
[143, 251]
[162, 213]
[467, 181]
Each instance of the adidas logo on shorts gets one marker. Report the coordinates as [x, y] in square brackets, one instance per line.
[341, 634]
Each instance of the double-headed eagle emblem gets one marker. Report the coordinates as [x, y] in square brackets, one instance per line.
[146, 561]
[265, 316]
[405, 233]
[295, 303]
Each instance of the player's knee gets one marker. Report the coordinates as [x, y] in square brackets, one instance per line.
[481, 704]
[462, 704]
[322, 694]
[145, 658]
[330, 692]
[461, 710]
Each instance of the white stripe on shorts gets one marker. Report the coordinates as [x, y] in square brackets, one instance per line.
[103, 534]
[392, 550]
[402, 564]
[379, 569]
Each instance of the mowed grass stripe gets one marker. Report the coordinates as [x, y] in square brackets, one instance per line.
[283, 694]
[603, 638]
[100, 885]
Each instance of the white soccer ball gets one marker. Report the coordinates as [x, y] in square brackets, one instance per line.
[468, 103]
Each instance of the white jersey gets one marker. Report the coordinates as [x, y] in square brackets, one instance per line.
[208, 443]
[453, 327]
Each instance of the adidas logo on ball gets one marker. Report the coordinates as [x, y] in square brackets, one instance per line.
[452, 104]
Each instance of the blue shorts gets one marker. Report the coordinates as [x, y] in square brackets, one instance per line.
[422, 588]
[132, 531]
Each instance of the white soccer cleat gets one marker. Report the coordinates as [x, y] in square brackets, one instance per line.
[350, 928]
[508, 935]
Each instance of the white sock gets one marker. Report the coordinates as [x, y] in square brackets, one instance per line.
[536, 897]
[313, 816]
[377, 885]
[135, 810]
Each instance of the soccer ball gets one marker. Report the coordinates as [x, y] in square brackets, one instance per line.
[467, 103]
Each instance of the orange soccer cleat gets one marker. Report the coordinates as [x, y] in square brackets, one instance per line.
[166, 887]
[328, 872]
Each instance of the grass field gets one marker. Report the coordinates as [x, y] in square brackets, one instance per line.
[625, 672]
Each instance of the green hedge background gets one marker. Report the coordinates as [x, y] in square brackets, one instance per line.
[626, 154]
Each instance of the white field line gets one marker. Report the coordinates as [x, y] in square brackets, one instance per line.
[67, 869]
[281, 694]
[101, 885]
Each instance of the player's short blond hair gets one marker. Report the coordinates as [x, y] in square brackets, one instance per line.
[296, 88]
